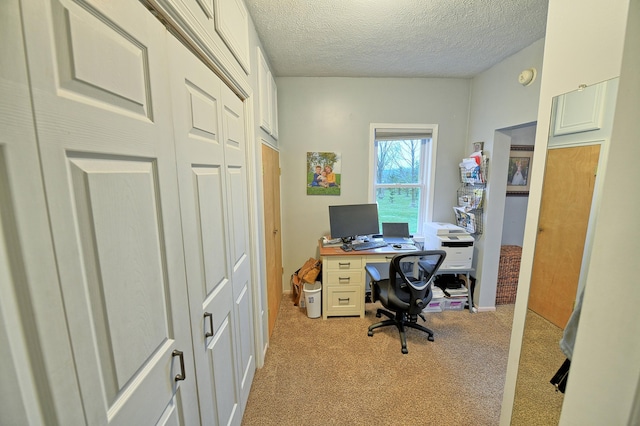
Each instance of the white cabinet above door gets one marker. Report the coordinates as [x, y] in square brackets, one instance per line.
[268, 94]
[232, 23]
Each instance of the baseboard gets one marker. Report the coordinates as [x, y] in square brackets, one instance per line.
[485, 308]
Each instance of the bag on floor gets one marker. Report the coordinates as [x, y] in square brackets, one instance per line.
[308, 273]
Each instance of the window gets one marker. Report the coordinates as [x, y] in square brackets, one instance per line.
[402, 173]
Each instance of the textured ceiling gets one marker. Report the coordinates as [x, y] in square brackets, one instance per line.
[394, 38]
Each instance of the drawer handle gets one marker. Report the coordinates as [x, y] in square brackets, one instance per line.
[347, 279]
[344, 265]
[343, 301]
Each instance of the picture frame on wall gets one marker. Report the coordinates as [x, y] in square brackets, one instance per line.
[520, 160]
[323, 175]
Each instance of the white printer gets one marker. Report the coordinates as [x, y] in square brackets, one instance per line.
[454, 240]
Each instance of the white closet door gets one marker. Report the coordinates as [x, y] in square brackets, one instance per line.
[233, 125]
[102, 111]
[197, 113]
[30, 302]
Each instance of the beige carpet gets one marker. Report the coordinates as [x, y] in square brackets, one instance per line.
[536, 402]
[329, 372]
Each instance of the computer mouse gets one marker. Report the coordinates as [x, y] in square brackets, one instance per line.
[398, 246]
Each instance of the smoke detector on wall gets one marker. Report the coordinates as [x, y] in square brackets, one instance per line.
[527, 76]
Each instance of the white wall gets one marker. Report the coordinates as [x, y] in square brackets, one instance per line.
[334, 114]
[608, 338]
[584, 42]
[515, 214]
[499, 101]
[515, 207]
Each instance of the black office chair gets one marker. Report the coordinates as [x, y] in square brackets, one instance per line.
[404, 287]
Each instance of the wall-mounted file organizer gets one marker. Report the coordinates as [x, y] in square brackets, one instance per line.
[469, 211]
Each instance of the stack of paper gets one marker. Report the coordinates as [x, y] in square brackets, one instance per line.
[331, 242]
[437, 292]
[457, 292]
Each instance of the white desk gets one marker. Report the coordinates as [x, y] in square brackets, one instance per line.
[344, 279]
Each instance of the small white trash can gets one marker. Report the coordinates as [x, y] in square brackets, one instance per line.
[313, 299]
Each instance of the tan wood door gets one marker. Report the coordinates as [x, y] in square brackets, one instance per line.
[564, 216]
[273, 240]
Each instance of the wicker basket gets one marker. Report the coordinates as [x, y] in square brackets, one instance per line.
[508, 272]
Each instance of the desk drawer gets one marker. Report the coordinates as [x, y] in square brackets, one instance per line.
[345, 277]
[345, 300]
[380, 258]
[345, 263]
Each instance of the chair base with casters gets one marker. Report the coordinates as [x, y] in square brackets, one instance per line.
[400, 320]
[404, 296]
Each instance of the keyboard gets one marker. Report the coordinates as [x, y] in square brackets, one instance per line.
[368, 246]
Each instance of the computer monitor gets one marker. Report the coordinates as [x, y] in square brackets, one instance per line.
[350, 221]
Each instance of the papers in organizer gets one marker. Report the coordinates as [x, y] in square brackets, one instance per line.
[469, 163]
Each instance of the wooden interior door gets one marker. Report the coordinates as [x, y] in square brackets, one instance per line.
[567, 192]
[103, 118]
[272, 237]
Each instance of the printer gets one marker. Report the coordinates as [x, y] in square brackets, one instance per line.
[452, 239]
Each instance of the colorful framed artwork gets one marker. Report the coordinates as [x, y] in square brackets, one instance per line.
[324, 175]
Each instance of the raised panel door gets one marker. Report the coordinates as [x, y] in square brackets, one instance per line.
[101, 105]
[235, 146]
[197, 104]
[273, 89]
[264, 93]
[232, 23]
[580, 111]
[30, 300]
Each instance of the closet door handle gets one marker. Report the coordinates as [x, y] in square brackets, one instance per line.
[210, 316]
[182, 374]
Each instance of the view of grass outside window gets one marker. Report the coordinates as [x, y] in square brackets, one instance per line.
[399, 180]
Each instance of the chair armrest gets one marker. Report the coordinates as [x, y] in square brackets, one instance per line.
[377, 271]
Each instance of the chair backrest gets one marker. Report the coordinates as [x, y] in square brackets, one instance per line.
[417, 285]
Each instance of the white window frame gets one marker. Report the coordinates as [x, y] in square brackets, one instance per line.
[428, 162]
